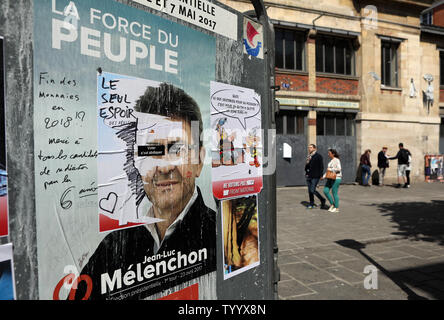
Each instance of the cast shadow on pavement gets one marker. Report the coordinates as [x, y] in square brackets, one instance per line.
[418, 221]
[422, 221]
[306, 203]
[359, 246]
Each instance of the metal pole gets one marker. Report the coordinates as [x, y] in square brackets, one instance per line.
[269, 123]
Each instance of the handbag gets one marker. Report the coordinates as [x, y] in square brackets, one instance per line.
[330, 175]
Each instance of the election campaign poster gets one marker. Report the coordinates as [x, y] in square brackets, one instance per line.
[124, 207]
[240, 235]
[236, 148]
[3, 173]
[434, 168]
[7, 283]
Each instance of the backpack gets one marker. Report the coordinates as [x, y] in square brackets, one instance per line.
[375, 178]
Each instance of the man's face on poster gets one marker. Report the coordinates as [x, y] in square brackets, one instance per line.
[169, 178]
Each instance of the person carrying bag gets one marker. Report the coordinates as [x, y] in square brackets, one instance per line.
[334, 178]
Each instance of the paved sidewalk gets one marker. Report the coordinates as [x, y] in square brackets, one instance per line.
[322, 255]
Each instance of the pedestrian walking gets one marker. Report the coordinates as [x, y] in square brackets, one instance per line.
[383, 164]
[403, 160]
[366, 167]
[314, 169]
[334, 178]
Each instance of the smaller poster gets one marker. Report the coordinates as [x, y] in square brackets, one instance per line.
[434, 168]
[236, 149]
[3, 172]
[240, 235]
[253, 39]
[7, 287]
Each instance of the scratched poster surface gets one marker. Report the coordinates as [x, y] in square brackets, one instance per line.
[115, 196]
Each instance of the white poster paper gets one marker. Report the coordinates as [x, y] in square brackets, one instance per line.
[287, 151]
[117, 200]
[201, 13]
[236, 148]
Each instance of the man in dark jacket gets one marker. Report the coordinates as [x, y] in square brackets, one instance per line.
[314, 170]
[138, 262]
[403, 162]
[383, 164]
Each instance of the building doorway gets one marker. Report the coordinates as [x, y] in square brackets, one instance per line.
[291, 134]
[336, 130]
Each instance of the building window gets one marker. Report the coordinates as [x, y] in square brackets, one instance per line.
[290, 49]
[340, 126]
[350, 125]
[427, 18]
[335, 124]
[441, 128]
[291, 123]
[330, 125]
[335, 55]
[441, 76]
[389, 63]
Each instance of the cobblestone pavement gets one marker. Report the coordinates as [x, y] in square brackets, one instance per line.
[323, 255]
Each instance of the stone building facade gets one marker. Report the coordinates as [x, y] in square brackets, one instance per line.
[432, 32]
[352, 77]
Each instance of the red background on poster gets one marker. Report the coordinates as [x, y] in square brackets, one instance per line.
[235, 191]
[108, 224]
[3, 216]
[190, 293]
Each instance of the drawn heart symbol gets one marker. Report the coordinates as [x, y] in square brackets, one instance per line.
[108, 204]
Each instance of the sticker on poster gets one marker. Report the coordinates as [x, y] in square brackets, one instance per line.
[121, 200]
[237, 150]
[253, 39]
[7, 282]
[4, 225]
[240, 229]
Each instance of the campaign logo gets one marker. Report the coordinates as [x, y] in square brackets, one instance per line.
[253, 39]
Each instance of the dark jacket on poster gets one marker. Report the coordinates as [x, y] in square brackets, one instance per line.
[314, 169]
[402, 156]
[382, 160]
[127, 248]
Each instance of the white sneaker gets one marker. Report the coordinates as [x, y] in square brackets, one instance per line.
[335, 210]
[332, 207]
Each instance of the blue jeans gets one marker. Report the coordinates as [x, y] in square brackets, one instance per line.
[366, 173]
[312, 183]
